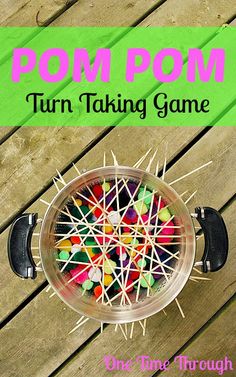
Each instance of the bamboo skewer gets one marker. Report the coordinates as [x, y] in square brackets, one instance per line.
[191, 172]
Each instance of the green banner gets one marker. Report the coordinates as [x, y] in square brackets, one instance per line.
[177, 76]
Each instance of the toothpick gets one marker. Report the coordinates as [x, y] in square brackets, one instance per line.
[44, 202]
[81, 319]
[191, 196]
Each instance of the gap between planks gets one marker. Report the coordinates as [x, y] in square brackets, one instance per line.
[198, 333]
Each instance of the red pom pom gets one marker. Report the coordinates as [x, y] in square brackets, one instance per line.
[134, 275]
[75, 239]
[126, 220]
[97, 291]
[97, 212]
[97, 190]
[129, 282]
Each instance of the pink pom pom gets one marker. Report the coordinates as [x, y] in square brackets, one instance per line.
[168, 230]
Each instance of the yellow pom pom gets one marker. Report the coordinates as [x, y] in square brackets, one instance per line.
[108, 279]
[79, 202]
[126, 238]
[133, 253]
[107, 228]
[65, 244]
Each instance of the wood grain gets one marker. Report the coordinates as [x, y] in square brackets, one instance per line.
[194, 297]
[109, 13]
[30, 157]
[220, 335]
[171, 13]
[165, 335]
[30, 12]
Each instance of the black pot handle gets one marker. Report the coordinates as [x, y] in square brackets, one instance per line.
[19, 246]
[216, 238]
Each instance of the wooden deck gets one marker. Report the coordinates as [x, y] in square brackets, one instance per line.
[34, 335]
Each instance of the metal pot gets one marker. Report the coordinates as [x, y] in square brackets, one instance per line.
[163, 293]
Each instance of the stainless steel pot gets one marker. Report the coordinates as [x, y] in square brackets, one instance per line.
[215, 254]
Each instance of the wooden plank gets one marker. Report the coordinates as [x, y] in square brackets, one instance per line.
[214, 343]
[30, 157]
[143, 139]
[29, 12]
[171, 13]
[194, 296]
[194, 13]
[100, 13]
[165, 335]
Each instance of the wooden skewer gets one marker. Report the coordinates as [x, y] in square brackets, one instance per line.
[157, 169]
[81, 319]
[165, 162]
[180, 309]
[144, 326]
[192, 279]
[122, 330]
[148, 168]
[131, 226]
[77, 326]
[200, 278]
[140, 161]
[131, 330]
[191, 172]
